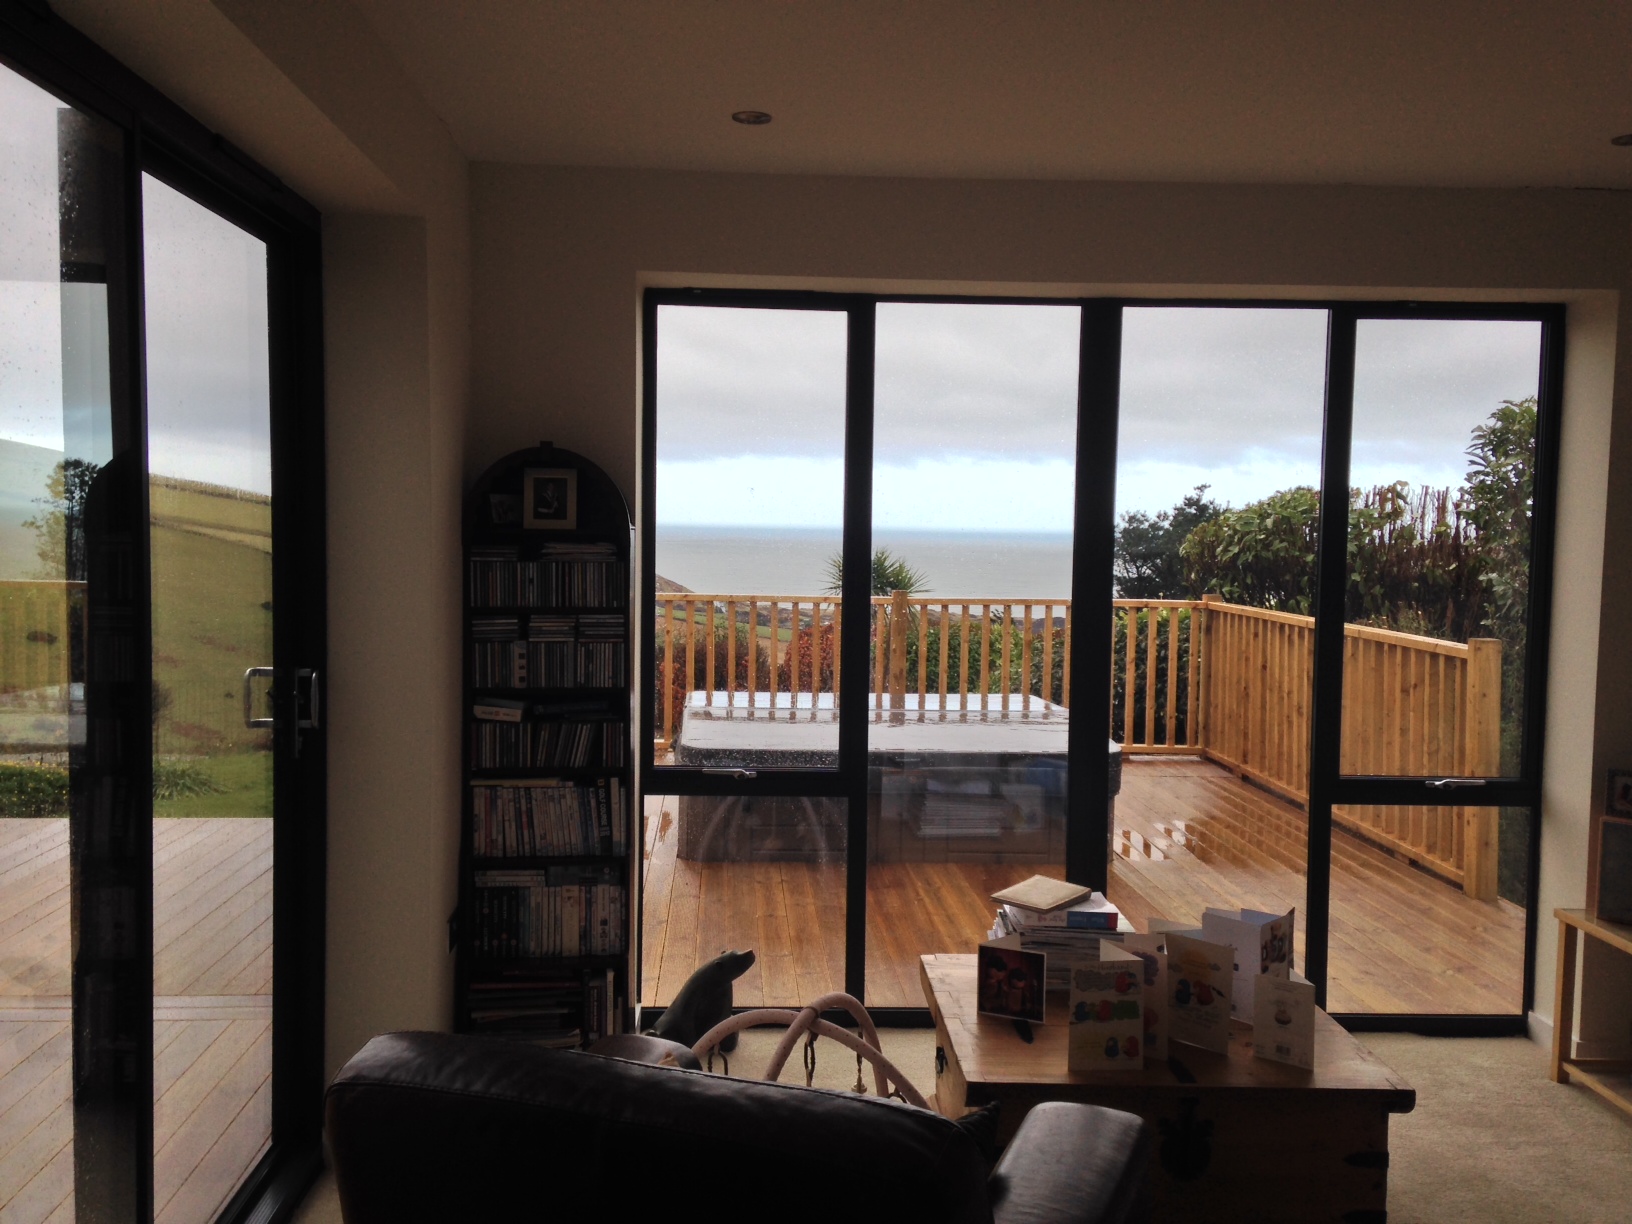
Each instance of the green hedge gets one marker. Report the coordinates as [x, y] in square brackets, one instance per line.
[33, 790]
[42, 790]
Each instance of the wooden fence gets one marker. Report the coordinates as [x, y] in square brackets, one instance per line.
[1197, 677]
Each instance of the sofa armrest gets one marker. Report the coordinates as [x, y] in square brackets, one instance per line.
[1074, 1164]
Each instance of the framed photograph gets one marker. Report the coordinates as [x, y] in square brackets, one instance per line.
[1012, 983]
[550, 499]
[505, 507]
[1618, 799]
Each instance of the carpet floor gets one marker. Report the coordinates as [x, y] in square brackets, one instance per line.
[1492, 1140]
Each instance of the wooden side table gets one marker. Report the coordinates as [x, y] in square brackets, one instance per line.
[1610, 1078]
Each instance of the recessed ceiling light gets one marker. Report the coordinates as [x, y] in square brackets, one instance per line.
[755, 118]
[1623, 140]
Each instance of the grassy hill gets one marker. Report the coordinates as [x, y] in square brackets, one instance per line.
[212, 619]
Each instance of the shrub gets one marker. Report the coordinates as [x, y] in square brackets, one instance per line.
[33, 790]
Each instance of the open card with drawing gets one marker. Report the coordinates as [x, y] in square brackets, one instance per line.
[1262, 946]
[1199, 976]
[1106, 1016]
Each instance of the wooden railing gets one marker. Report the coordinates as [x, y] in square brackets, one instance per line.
[1199, 677]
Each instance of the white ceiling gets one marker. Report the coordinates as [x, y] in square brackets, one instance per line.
[1452, 92]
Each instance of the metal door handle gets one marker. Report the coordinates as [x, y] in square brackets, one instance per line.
[251, 674]
[307, 700]
[733, 773]
[1454, 783]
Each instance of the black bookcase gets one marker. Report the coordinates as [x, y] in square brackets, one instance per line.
[546, 834]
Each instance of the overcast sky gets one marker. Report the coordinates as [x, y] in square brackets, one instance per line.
[975, 409]
[206, 320]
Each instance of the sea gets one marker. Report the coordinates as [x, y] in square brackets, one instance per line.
[794, 561]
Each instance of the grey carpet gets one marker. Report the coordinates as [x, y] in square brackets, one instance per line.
[1491, 1140]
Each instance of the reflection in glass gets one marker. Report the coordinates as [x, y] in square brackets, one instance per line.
[750, 515]
[210, 498]
[1459, 953]
[973, 481]
[67, 704]
[1443, 470]
[726, 873]
[1218, 479]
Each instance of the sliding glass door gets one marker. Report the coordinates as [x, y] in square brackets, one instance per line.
[160, 660]
[1234, 605]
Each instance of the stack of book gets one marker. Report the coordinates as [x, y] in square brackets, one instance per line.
[562, 745]
[601, 650]
[559, 1010]
[497, 659]
[559, 911]
[549, 651]
[533, 818]
[1065, 922]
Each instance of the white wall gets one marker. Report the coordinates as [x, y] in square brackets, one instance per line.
[559, 256]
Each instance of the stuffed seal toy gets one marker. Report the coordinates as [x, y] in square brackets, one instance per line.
[704, 1001]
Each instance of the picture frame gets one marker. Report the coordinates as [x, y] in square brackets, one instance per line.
[1011, 983]
[550, 499]
[1618, 795]
[505, 508]
[1614, 900]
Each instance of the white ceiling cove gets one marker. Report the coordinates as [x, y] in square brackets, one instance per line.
[1456, 92]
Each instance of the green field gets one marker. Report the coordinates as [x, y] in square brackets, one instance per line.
[212, 618]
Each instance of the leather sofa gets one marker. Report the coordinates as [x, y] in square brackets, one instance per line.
[436, 1127]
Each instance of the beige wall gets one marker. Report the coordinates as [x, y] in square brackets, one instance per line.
[559, 256]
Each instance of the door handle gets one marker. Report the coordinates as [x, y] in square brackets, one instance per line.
[307, 700]
[1453, 783]
[732, 773]
[252, 674]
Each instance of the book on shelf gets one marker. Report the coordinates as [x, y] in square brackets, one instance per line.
[553, 576]
[562, 744]
[531, 818]
[566, 910]
[498, 710]
[556, 652]
[552, 1008]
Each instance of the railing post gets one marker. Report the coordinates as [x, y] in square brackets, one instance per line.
[1201, 702]
[898, 652]
[1483, 720]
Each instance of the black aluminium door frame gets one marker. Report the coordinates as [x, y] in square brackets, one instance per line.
[1092, 588]
[165, 141]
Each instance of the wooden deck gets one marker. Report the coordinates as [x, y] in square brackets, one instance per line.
[212, 1015]
[1189, 834]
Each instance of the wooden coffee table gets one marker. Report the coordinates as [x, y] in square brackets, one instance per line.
[1237, 1137]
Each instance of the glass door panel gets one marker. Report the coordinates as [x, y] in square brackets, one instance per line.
[210, 487]
[1212, 646]
[969, 699]
[1442, 471]
[70, 994]
[750, 433]
[1456, 952]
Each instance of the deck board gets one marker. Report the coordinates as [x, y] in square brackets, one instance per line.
[212, 883]
[1189, 834]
